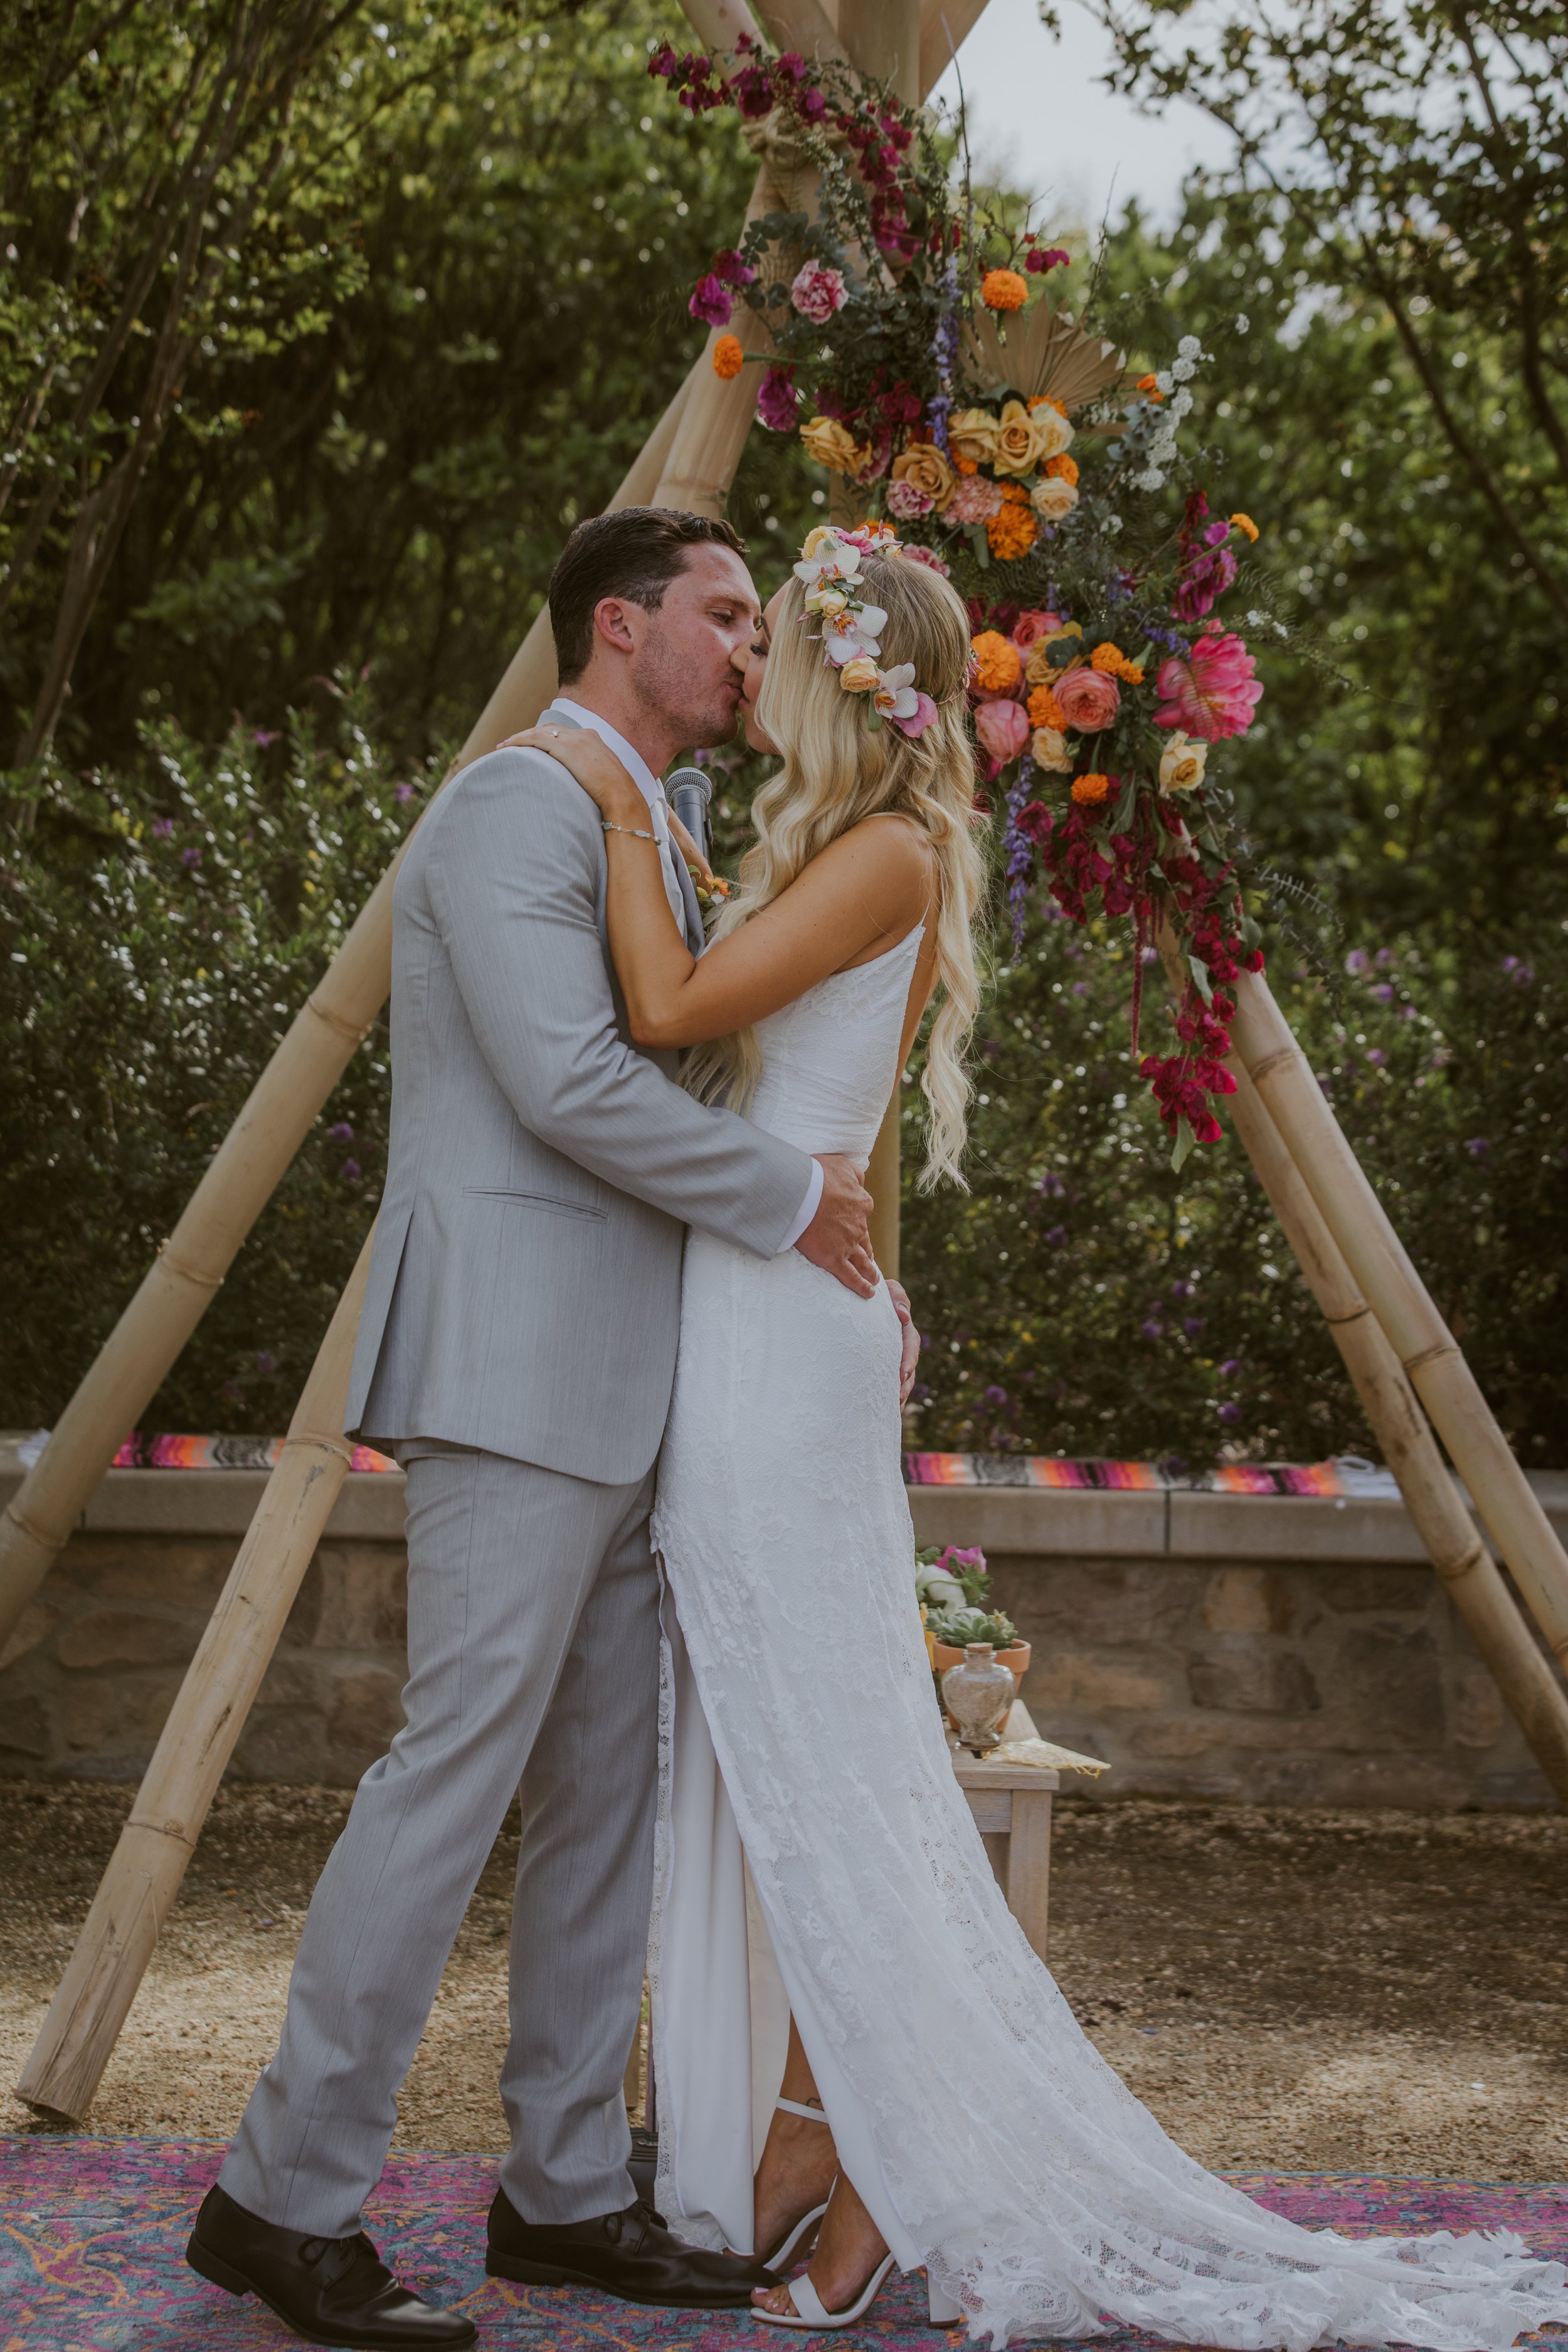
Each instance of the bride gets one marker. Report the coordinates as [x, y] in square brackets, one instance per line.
[830, 1948]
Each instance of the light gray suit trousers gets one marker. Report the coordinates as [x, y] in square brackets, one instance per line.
[517, 1350]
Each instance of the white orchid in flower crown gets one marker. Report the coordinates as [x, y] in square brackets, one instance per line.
[829, 568]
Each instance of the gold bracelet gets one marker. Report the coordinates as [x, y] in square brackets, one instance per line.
[636, 831]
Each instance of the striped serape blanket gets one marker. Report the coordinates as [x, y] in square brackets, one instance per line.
[173, 1452]
[1146, 1477]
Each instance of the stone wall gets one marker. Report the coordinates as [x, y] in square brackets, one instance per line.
[1286, 1650]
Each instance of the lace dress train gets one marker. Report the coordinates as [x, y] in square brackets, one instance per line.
[989, 2138]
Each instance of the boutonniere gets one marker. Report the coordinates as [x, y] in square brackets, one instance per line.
[712, 888]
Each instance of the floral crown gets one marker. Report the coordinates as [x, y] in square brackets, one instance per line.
[829, 568]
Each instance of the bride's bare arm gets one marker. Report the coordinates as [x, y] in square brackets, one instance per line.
[868, 889]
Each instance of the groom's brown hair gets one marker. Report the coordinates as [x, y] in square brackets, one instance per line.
[635, 553]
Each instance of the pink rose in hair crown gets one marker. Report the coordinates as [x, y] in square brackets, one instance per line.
[1212, 694]
[818, 292]
[1087, 698]
[1002, 729]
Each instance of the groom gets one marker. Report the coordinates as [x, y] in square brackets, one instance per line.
[516, 1353]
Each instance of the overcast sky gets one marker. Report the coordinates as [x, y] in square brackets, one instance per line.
[1037, 110]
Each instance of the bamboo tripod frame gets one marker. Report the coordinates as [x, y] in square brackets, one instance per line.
[690, 460]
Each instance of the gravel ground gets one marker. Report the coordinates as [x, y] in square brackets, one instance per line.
[1301, 1990]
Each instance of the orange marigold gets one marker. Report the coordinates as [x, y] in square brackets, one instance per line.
[967, 465]
[996, 665]
[1245, 524]
[1003, 289]
[1064, 467]
[729, 359]
[1012, 531]
[1090, 791]
[1114, 662]
[1048, 400]
[1044, 711]
[1149, 386]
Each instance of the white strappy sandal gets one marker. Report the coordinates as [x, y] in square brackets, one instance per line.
[810, 2311]
[782, 2251]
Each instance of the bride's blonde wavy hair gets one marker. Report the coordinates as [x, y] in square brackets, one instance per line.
[836, 771]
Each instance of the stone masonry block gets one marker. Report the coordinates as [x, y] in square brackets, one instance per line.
[1248, 1678]
[1385, 1589]
[1065, 1680]
[1477, 1717]
[367, 1711]
[126, 1637]
[363, 1597]
[1248, 1601]
[1109, 1601]
[1177, 1736]
[1389, 1678]
[25, 1729]
[147, 1568]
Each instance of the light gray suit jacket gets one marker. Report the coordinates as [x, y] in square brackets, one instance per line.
[524, 1293]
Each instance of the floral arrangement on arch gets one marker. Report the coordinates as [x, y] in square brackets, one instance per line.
[919, 351]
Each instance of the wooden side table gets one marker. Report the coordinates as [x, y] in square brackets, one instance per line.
[1011, 1808]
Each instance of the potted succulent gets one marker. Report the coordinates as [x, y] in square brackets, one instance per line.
[953, 1630]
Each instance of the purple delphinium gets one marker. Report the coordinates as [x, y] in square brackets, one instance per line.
[945, 351]
[352, 1171]
[163, 826]
[1230, 1412]
[342, 1133]
[1020, 851]
[1478, 1146]
[1057, 1238]
[190, 857]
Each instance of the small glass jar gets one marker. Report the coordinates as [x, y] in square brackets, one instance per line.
[978, 1694]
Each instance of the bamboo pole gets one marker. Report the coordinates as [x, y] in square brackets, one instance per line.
[206, 1719]
[250, 1162]
[1420, 1338]
[1532, 1691]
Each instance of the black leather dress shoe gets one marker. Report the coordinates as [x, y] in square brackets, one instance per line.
[333, 2290]
[630, 2254]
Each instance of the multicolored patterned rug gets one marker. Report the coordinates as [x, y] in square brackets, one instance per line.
[92, 2236]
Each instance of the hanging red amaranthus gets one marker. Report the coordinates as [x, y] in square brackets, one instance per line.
[1151, 871]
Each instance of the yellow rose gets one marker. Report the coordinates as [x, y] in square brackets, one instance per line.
[859, 675]
[1050, 753]
[1018, 439]
[1181, 764]
[1053, 432]
[1038, 668]
[973, 436]
[1053, 499]
[828, 442]
[818, 540]
[923, 465]
[829, 603]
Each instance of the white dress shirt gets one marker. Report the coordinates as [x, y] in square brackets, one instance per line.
[652, 791]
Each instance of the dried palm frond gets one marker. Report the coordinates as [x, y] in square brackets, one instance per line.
[1047, 354]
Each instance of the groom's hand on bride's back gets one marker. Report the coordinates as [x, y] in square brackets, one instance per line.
[838, 1238]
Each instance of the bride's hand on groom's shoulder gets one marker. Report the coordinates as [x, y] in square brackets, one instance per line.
[588, 757]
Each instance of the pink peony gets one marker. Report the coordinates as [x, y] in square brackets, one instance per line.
[1089, 699]
[909, 501]
[818, 292]
[1028, 626]
[1212, 694]
[914, 553]
[1002, 730]
[974, 500]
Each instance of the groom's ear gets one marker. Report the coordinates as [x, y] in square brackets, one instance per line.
[619, 623]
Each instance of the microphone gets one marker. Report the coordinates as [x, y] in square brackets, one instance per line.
[689, 791]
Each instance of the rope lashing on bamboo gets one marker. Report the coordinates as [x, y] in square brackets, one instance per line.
[182, 1270]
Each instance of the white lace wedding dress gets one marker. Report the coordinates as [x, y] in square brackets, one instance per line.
[988, 2137]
